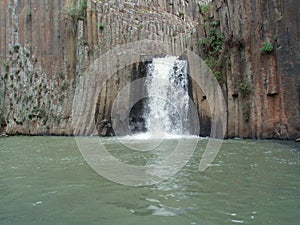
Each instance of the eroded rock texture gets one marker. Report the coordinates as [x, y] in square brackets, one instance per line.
[46, 47]
[261, 84]
[36, 74]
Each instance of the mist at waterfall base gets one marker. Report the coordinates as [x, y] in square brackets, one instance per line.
[166, 110]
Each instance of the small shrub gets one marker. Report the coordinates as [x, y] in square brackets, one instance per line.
[245, 90]
[204, 8]
[140, 27]
[73, 14]
[246, 108]
[228, 62]
[82, 9]
[77, 13]
[181, 15]
[61, 75]
[215, 23]
[29, 76]
[101, 26]
[5, 66]
[64, 87]
[61, 98]
[16, 48]
[211, 46]
[267, 47]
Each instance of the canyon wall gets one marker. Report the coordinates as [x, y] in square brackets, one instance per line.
[37, 74]
[46, 47]
[259, 65]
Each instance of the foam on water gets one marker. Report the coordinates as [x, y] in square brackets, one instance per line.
[166, 136]
[166, 112]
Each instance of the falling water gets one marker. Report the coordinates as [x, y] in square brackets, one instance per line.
[167, 87]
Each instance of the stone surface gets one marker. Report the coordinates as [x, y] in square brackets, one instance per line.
[45, 52]
[273, 106]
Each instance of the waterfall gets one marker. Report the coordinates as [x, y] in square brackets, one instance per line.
[166, 111]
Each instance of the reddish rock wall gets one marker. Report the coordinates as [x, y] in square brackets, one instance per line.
[45, 50]
[36, 73]
[272, 106]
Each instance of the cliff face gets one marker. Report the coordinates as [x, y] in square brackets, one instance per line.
[260, 66]
[47, 45]
[36, 73]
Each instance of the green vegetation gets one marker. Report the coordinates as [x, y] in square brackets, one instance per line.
[23, 114]
[267, 47]
[216, 67]
[5, 66]
[61, 75]
[202, 9]
[142, 11]
[181, 15]
[16, 48]
[245, 90]
[246, 111]
[77, 12]
[83, 7]
[73, 14]
[228, 62]
[61, 98]
[140, 26]
[205, 8]
[64, 87]
[27, 13]
[212, 46]
[214, 23]
[100, 26]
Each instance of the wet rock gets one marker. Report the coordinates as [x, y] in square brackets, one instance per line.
[137, 124]
[105, 129]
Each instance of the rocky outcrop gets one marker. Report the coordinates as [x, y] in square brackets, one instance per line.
[36, 78]
[258, 65]
[46, 47]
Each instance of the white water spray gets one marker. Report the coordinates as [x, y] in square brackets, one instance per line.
[166, 111]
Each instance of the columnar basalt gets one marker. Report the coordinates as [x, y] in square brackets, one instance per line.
[251, 46]
[257, 65]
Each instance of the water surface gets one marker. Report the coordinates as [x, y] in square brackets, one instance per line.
[45, 180]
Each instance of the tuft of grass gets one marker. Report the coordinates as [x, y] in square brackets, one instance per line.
[73, 14]
[267, 47]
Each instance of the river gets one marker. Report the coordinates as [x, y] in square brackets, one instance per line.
[45, 180]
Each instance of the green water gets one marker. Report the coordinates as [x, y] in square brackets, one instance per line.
[45, 180]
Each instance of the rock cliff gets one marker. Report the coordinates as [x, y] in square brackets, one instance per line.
[251, 46]
[258, 65]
